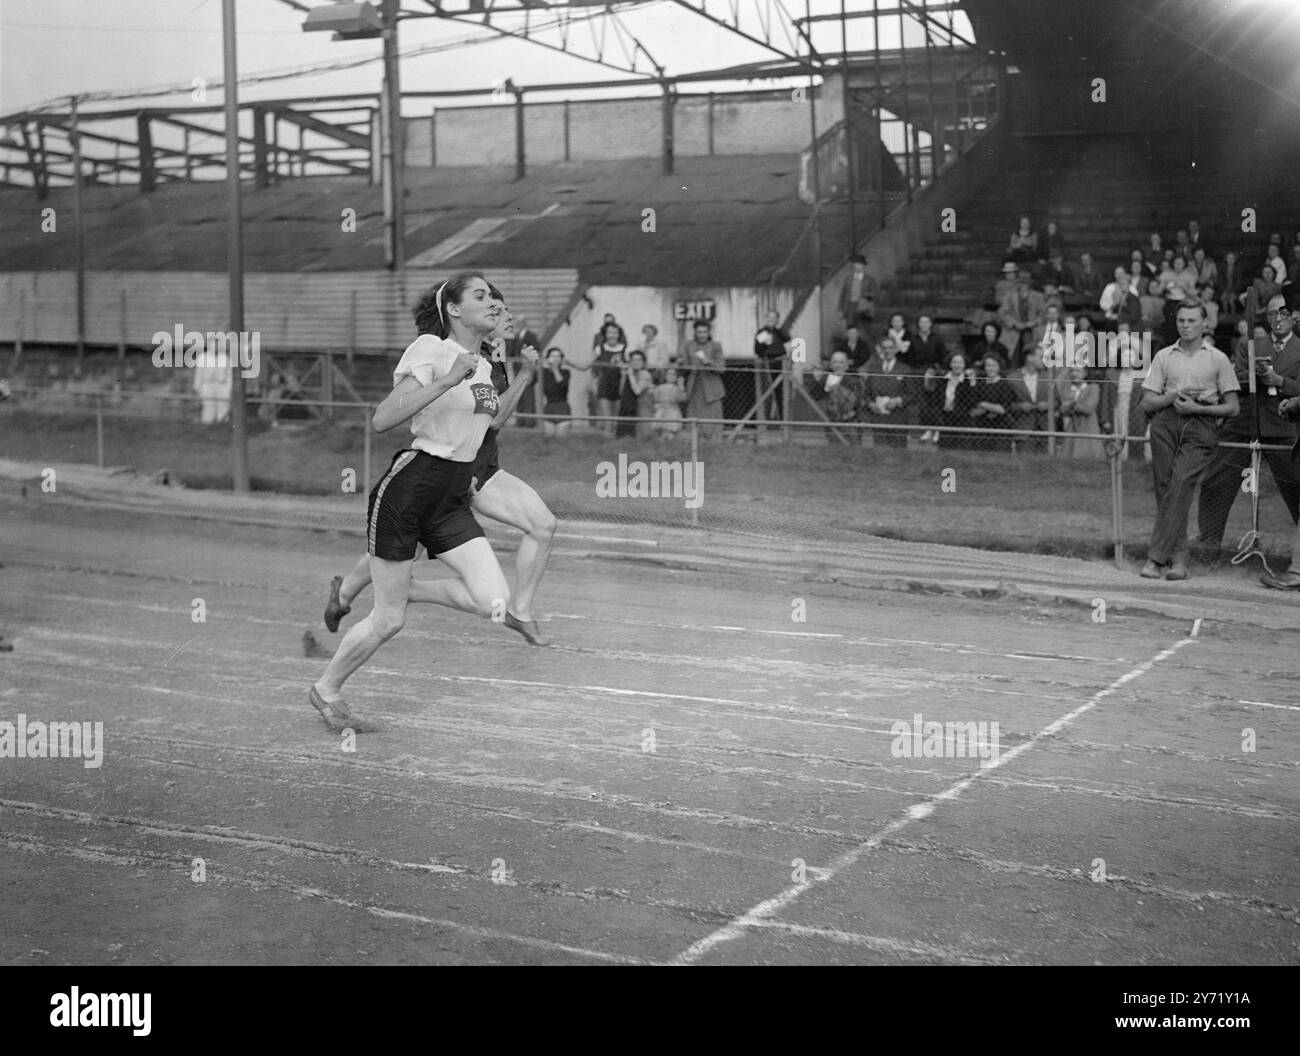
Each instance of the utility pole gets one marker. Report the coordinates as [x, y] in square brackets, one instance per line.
[235, 247]
[393, 142]
[78, 223]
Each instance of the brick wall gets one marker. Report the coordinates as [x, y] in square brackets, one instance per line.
[742, 123]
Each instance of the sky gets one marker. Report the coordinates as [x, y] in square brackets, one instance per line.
[55, 48]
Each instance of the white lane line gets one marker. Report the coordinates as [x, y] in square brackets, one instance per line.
[768, 909]
[1265, 704]
[881, 944]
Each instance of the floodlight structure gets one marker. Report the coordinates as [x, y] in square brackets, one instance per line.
[362, 21]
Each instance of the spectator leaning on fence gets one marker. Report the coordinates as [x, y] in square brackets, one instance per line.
[555, 394]
[1277, 377]
[654, 348]
[703, 358]
[956, 394]
[993, 403]
[1189, 388]
[669, 395]
[1078, 399]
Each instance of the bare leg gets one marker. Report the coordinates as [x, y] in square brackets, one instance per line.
[508, 499]
[355, 581]
[392, 582]
[480, 586]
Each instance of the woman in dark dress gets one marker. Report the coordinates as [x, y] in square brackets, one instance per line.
[955, 391]
[635, 382]
[989, 344]
[994, 400]
[611, 358]
[555, 395]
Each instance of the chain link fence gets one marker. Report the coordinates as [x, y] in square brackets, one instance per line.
[813, 469]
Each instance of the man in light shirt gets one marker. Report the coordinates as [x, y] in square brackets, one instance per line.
[1189, 391]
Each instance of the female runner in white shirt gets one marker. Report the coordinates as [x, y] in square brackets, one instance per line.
[497, 494]
[445, 391]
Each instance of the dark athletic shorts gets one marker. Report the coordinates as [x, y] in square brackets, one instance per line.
[488, 460]
[421, 499]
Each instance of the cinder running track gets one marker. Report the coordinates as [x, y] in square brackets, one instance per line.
[511, 811]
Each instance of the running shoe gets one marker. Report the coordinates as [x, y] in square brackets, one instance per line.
[335, 610]
[528, 628]
[337, 716]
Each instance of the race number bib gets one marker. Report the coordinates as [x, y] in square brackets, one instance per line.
[485, 398]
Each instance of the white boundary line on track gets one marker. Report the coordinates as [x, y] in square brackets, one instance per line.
[1265, 704]
[767, 910]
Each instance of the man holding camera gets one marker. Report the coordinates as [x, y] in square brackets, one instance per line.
[1277, 377]
[1189, 389]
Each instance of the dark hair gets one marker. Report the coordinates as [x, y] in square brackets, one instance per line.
[430, 311]
[496, 294]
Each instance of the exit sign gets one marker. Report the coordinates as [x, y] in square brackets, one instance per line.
[693, 311]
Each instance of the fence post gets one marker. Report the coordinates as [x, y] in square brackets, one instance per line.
[695, 461]
[365, 428]
[99, 429]
[18, 332]
[1051, 410]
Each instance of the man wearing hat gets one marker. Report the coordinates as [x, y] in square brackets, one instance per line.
[858, 295]
[1022, 313]
[1007, 283]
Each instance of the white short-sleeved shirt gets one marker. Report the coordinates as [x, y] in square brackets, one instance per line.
[1207, 370]
[453, 425]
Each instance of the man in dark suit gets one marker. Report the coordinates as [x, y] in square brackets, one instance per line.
[890, 391]
[1031, 384]
[1277, 377]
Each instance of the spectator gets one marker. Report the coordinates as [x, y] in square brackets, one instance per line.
[990, 343]
[1023, 247]
[1051, 243]
[654, 348]
[611, 358]
[838, 392]
[770, 346]
[956, 396]
[602, 335]
[858, 294]
[1051, 325]
[1265, 287]
[555, 395]
[993, 401]
[1232, 280]
[1277, 377]
[1277, 263]
[1205, 270]
[899, 332]
[1078, 398]
[1138, 268]
[213, 383]
[1182, 246]
[1290, 579]
[1188, 384]
[704, 387]
[1293, 269]
[634, 396]
[856, 346]
[1205, 295]
[1087, 279]
[889, 391]
[1241, 336]
[1112, 297]
[1196, 238]
[1022, 314]
[1006, 284]
[1056, 273]
[1129, 418]
[1184, 278]
[669, 395]
[1153, 305]
[1031, 405]
[927, 347]
[1155, 252]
